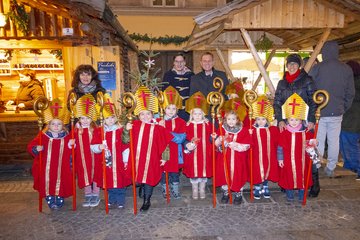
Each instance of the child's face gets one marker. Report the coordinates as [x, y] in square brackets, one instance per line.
[231, 120]
[197, 115]
[260, 121]
[170, 110]
[85, 121]
[109, 121]
[56, 125]
[85, 78]
[145, 116]
[294, 122]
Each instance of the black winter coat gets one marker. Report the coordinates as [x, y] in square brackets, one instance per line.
[304, 86]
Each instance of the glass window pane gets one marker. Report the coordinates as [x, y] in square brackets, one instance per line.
[157, 2]
[170, 2]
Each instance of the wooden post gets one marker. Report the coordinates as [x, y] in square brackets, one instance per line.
[258, 61]
[267, 63]
[226, 66]
[317, 49]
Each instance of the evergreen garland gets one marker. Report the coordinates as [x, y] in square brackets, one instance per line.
[18, 14]
[176, 40]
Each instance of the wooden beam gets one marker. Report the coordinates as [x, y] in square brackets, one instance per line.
[317, 49]
[339, 8]
[258, 61]
[215, 34]
[267, 63]
[305, 36]
[226, 66]
[206, 31]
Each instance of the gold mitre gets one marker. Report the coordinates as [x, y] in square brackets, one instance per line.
[109, 106]
[262, 107]
[295, 107]
[145, 100]
[171, 96]
[197, 100]
[58, 110]
[235, 87]
[237, 105]
[86, 106]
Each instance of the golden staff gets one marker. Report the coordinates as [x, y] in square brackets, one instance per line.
[218, 83]
[161, 102]
[40, 104]
[214, 102]
[320, 97]
[250, 97]
[129, 102]
[72, 100]
[100, 100]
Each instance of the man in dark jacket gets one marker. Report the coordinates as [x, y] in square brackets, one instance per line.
[336, 78]
[203, 81]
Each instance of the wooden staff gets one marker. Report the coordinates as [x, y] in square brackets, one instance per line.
[100, 100]
[72, 100]
[250, 97]
[40, 104]
[161, 102]
[320, 97]
[129, 102]
[213, 101]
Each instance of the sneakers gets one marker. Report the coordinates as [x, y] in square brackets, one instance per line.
[59, 201]
[86, 202]
[202, 186]
[225, 197]
[266, 192]
[175, 190]
[50, 200]
[95, 200]
[238, 198]
[257, 193]
[195, 190]
[290, 195]
[329, 173]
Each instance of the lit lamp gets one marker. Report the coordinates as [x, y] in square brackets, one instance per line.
[2, 20]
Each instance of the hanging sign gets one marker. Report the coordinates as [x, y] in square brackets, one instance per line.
[107, 74]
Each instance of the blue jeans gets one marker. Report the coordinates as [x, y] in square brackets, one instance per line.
[350, 150]
[330, 127]
[117, 195]
[173, 177]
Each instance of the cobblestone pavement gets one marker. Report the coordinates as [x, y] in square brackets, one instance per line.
[334, 214]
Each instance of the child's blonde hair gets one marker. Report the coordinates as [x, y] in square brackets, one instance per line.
[191, 114]
[91, 127]
[232, 112]
[63, 125]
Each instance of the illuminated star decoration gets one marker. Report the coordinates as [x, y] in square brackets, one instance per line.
[149, 63]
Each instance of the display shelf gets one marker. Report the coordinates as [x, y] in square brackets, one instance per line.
[40, 69]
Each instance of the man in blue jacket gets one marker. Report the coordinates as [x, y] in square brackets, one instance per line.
[336, 78]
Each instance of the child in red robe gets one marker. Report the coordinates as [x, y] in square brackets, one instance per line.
[293, 159]
[116, 157]
[264, 148]
[54, 180]
[176, 126]
[237, 142]
[198, 153]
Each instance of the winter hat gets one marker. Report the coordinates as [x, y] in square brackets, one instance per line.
[295, 58]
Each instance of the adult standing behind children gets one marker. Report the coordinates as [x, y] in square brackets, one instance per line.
[336, 78]
[179, 77]
[203, 81]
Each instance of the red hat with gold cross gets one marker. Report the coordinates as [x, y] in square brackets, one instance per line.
[237, 105]
[85, 106]
[295, 107]
[145, 100]
[262, 107]
[197, 100]
[171, 96]
[56, 110]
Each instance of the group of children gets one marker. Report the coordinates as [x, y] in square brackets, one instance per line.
[167, 145]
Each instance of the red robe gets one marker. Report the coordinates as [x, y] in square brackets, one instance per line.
[296, 161]
[236, 161]
[264, 155]
[149, 142]
[116, 175]
[198, 163]
[55, 176]
[176, 125]
[84, 157]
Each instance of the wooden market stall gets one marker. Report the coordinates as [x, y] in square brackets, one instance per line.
[53, 37]
[289, 25]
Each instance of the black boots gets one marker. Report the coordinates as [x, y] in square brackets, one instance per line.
[315, 188]
[141, 190]
[148, 190]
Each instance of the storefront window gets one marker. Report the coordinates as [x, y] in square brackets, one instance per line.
[164, 3]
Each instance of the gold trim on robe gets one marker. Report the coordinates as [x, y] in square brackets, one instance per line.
[58, 180]
[232, 161]
[148, 153]
[47, 169]
[86, 177]
[138, 148]
[303, 158]
[114, 153]
[293, 164]
[203, 140]
[195, 152]
[261, 158]
[173, 124]
[268, 152]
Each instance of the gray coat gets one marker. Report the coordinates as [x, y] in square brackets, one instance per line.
[336, 78]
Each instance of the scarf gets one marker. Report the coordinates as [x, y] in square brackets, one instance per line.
[293, 129]
[89, 88]
[291, 78]
[183, 71]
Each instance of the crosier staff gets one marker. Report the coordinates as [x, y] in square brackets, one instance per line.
[100, 100]
[40, 104]
[214, 102]
[161, 102]
[72, 100]
[250, 97]
[129, 102]
[320, 97]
